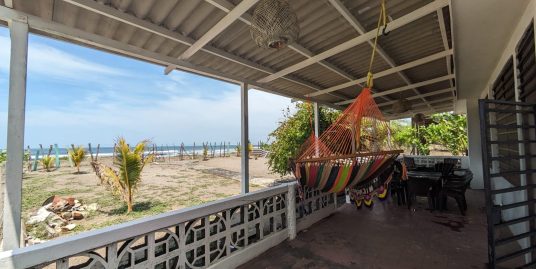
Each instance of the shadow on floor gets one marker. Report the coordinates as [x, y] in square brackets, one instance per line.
[388, 236]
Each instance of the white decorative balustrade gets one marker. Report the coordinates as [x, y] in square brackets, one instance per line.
[224, 233]
[430, 161]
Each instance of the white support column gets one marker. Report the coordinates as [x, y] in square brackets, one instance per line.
[244, 140]
[316, 113]
[291, 211]
[475, 145]
[15, 134]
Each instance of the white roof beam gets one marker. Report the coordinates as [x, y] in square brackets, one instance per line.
[445, 40]
[419, 96]
[383, 73]
[395, 24]
[166, 33]
[426, 111]
[225, 22]
[339, 6]
[227, 6]
[405, 88]
[57, 30]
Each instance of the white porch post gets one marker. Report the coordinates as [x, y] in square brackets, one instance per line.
[244, 140]
[315, 110]
[475, 146]
[15, 134]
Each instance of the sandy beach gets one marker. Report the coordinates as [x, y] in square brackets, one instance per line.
[166, 185]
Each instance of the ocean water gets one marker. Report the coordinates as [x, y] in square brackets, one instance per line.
[162, 150]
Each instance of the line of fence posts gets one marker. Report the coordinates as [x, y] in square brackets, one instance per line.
[224, 150]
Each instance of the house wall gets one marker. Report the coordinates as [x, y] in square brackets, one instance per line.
[475, 154]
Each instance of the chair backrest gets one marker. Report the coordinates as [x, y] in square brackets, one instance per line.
[409, 162]
[452, 160]
[420, 186]
[446, 169]
[397, 171]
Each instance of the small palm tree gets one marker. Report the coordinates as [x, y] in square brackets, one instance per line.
[205, 152]
[250, 148]
[130, 163]
[47, 162]
[238, 149]
[77, 154]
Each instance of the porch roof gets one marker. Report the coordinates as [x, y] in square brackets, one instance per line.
[327, 64]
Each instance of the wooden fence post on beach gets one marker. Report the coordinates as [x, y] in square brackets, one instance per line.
[168, 153]
[90, 152]
[194, 152]
[34, 168]
[113, 152]
[29, 159]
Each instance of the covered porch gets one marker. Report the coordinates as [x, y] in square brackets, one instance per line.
[440, 56]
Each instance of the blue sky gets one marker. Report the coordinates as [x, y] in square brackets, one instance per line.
[80, 95]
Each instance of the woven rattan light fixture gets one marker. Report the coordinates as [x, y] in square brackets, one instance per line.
[401, 105]
[274, 24]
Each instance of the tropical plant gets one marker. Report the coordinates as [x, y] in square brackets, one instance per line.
[3, 156]
[292, 132]
[77, 154]
[450, 131]
[205, 152]
[447, 129]
[125, 180]
[413, 139]
[238, 149]
[47, 162]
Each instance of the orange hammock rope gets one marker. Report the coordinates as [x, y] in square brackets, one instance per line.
[355, 148]
[355, 152]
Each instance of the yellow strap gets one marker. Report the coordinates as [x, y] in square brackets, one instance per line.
[382, 20]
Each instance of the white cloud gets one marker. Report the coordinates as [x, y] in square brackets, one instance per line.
[47, 61]
[174, 120]
[179, 107]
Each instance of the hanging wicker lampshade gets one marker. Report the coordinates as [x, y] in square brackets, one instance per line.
[401, 105]
[419, 118]
[274, 24]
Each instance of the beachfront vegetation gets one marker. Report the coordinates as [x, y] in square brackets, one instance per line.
[77, 154]
[292, 132]
[446, 130]
[3, 156]
[205, 152]
[47, 162]
[238, 149]
[125, 179]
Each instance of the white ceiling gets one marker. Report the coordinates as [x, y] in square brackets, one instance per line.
[481, 30]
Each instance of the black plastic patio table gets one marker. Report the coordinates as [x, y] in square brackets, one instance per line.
[424, 174]
[427, 178]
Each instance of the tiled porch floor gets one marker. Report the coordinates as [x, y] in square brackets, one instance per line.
[388, 236]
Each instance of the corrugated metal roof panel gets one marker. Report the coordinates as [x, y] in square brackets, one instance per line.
[322, 28]
[320, 75]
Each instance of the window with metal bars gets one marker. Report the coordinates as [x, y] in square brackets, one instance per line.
[526, 66]
[504, 90]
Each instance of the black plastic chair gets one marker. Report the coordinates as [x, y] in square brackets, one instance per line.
[455, 187]
[446, 169]
[398, 186]
[410, 163]
[452, 161]
[421, 187]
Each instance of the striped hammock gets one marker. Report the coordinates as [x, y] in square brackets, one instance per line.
[350, 154]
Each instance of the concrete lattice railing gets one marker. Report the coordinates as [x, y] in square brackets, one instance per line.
[429, 161]
[220, 234]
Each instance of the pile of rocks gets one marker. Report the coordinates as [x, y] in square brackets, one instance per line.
[55, 217]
